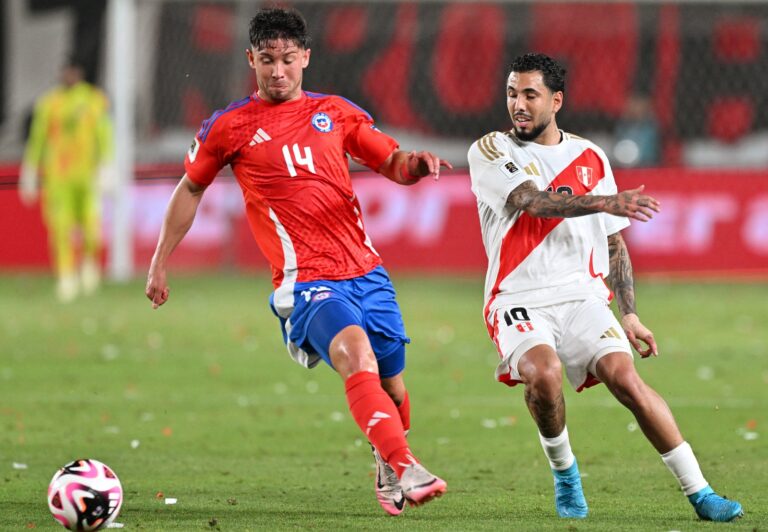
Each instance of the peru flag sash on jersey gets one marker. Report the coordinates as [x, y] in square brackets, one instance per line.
[580, 177]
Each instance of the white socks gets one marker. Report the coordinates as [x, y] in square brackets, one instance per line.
[685, 467]
[680, 461]
[558, 451]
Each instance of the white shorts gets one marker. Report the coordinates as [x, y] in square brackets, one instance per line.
[580, 332]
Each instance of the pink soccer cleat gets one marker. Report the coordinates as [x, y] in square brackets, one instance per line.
[420, 486]
[388, 490]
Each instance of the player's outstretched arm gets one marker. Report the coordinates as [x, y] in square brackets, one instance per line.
[407, 168]
[621, 281]
[178, 219]
[542, 204]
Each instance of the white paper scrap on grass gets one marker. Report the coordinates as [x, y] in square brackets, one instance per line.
[170, 500]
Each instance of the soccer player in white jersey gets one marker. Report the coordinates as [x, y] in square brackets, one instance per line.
[551, 219]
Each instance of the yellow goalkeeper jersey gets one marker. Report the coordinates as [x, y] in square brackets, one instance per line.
[71, 133]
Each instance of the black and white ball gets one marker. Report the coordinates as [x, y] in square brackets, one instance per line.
[85, 495]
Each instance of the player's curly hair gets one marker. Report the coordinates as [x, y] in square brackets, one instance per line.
[553, 72]
[274, 23]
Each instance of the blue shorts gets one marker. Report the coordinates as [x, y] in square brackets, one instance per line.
[321, 309]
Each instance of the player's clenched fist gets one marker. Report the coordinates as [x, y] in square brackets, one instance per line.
[157, 290]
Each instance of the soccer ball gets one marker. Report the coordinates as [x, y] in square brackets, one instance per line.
[85, 495]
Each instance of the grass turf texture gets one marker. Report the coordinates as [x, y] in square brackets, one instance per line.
[245, 439]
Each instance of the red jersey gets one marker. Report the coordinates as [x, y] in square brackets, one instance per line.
[290, 160]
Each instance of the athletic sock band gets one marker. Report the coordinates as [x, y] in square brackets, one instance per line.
[558, 450]
[684, 466]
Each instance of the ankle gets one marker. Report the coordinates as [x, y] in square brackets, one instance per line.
[696, 498]
[572, 470]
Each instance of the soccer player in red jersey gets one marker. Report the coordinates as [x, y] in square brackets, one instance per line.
[288, 150]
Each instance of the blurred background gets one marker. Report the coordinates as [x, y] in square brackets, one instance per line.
[675, 92]
[199, 400]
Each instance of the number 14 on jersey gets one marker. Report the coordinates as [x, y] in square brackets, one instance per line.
[304, 160]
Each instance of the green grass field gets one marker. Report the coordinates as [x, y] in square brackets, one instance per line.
[199, 401]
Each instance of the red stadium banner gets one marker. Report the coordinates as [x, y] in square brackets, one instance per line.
[713, 223]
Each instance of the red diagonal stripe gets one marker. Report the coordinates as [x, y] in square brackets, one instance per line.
[528, 231]
[599, 275]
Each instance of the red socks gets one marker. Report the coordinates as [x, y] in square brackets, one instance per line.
[405, 412]
[379, 418]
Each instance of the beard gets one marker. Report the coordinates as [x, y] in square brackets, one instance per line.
[532, 134]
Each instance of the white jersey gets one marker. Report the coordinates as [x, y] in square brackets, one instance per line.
[533, 261]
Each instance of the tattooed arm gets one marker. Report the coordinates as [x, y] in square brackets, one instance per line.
[630, 203]
[621, 281]
[620, 278]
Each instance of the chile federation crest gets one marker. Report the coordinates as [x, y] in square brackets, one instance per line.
[322, 122]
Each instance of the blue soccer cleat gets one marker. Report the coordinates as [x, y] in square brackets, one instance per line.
[569, 496]
[710, 506]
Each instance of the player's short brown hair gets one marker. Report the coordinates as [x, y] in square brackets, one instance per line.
[274, 23]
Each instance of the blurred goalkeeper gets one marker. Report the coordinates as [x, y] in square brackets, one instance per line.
[288, 150]
[551, 221]
[68, 156]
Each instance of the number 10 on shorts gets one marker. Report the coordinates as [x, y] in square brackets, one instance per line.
[518, 317]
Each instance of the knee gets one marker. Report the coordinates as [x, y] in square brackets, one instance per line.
[354, 360]
[544, 379]
[629, 389]
[351, 352]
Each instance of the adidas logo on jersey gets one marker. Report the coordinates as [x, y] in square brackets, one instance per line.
[259, 137]
[531, 169]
